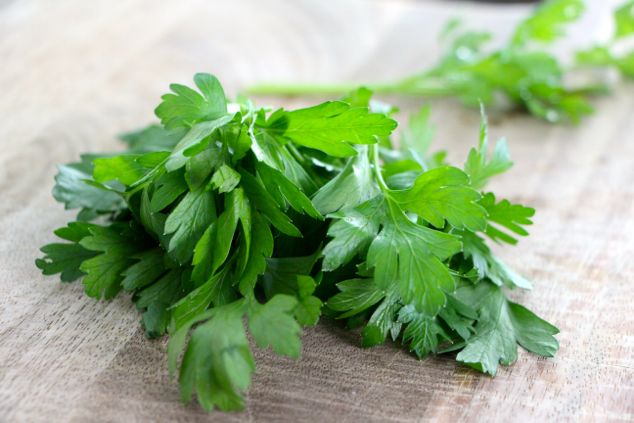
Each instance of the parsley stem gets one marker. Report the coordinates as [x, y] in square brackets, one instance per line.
[420, 85]
[300, 88]
[374, 151]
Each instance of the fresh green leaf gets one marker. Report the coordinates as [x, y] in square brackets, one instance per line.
[356, 295]
[150, 266]
[352, 232]
[201, 165]
[421, 332]
[152, 138]
[331, 127]
[186, 106]
[193, 140]
[411, 255]
[71, 189]
[272, 324]
[276, 154]
[225, 179]
[116, 245]
[546, 24]
[218, 363]
[489, 266]
[217, 291]
[168, 188]
[286, 191]
[444, 194]
[383, 321]
[308, 307]
[126, 168]
[510, 216]
[624, 20]
[237, 208]
[156, 299]
[501, 326]
[188, 221]
[266, 205]
[418, 134]
[64, 259]
[352, 186]
[478, 166]
[253, 260]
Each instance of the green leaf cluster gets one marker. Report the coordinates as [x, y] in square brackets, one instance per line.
[232, 223]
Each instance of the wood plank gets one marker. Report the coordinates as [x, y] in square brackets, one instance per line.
[74, 73]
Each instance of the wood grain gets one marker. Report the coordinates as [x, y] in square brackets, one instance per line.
[75, 73]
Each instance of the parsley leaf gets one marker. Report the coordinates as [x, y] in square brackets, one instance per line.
[252, 261]
[489, 266]
[167, 189]
[502, 325]
[421, 332]
[352, 186]
[152, 138]
[478, 166]
[150, 266]
[218, 363]
[443, 194]
[509, 216]
[356, 295]
[612, 54]
[308, 307]
[285, 192]
[545, 25]
[225, 179]
[126, 168]
[351, 232]
[410, 255]
[192, 141]
[65, 258]
[624, 20]
[331, 127]
[72, 188]
[273, 324]
[188, 221]
[116, 244]
[186, 106]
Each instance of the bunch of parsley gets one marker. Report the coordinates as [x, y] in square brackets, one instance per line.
[229, 218]
[523, 72]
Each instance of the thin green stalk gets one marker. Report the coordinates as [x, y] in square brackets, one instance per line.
[300, 89]
[417, 86]
[376, 162]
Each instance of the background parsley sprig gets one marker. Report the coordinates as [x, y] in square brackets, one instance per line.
[229, 222]
[523, 72]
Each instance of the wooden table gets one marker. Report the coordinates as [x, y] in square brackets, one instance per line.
[74, 73]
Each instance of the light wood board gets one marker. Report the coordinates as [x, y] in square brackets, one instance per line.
[74, 73]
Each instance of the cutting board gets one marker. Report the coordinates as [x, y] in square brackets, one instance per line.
[75, 73]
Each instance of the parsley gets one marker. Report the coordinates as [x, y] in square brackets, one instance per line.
[524, 72]
[607, 55]
[231, 223]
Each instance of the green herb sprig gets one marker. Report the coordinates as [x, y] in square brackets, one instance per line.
[229, 219]
[523, 72]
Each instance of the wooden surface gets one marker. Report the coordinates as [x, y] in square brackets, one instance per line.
[74, 73]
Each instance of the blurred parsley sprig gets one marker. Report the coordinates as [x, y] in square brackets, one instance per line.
[522, 72]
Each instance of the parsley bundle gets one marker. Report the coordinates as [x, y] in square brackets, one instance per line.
[229, 219]
[522, 72]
